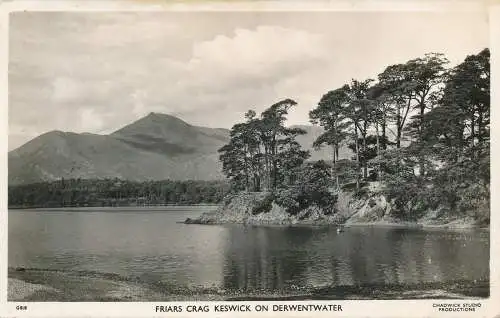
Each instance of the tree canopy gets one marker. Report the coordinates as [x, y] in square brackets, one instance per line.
[421, 129]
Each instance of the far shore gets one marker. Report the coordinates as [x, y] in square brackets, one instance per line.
[82, 208]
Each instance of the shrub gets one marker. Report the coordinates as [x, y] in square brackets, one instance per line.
[311, 188]
[264, 205]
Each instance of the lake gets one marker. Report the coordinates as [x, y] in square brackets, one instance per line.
[150, 245]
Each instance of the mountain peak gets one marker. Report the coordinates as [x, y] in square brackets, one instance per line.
[160, 115]
[163, 117]
[153, 123]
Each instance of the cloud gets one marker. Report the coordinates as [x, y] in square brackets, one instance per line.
[265, 53]
[65, 89]
[96, 72]
[253, 52]
[241, 70]
[90, 120]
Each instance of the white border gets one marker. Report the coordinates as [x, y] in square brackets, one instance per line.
[357, 308]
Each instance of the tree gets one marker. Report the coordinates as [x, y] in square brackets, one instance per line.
[330, 114]
[427, 81]
[234, 158]
[271, 130]
[395, 90]
[262, 153]
[467, 98]
[290, 157]
[360, 112]
[427, 77]
[311, 188]
[453, 161]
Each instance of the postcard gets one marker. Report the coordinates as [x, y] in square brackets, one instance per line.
[289, 158]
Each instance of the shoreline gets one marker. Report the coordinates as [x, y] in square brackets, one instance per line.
[57, 285]
[376, 224]
[208, 218]
[92, 208]
[373, 210]
[409, 226]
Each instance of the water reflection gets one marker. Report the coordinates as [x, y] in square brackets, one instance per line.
[283, 258]
[153, 247]
[267, 257]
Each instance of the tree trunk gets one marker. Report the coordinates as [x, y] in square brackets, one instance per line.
[481, 132]
[357, 156]
[420, 132]
[421, 128]
[384, 138]
[365, 162]
[247, 171]
[473, 134]
[334, 170]
[266, 169]
[337, 157]
[274, 166]
[480, 128]
[378, 151]
[398, 128]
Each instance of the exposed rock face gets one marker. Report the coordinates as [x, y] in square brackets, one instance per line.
[371, 208]
[239, 209]
[235, 209]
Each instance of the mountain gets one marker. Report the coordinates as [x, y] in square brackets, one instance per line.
[165, 134]
[155, 147]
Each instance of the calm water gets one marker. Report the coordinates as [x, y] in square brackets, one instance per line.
[149, 244]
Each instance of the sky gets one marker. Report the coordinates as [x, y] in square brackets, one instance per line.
[99, 71]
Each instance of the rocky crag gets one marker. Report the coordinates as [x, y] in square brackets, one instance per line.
[372, 208]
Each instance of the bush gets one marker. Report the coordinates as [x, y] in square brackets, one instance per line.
[264, 205]
[311, 188]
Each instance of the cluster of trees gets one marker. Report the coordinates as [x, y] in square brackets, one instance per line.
[262, 153]
[115, 192]
[421, 128]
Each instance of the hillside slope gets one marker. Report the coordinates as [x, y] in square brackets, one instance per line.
[325, 153]
[155, 147]
[152, 148]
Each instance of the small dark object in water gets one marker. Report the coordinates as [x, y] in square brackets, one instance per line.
[191, 221]
[340, 229]
[20, 269]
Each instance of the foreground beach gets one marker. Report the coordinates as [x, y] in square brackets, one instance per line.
[52, 285]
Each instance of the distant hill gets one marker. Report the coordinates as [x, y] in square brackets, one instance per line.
[325, 153]
[155, 147]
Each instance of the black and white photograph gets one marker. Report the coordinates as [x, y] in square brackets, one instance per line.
[183, 156]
